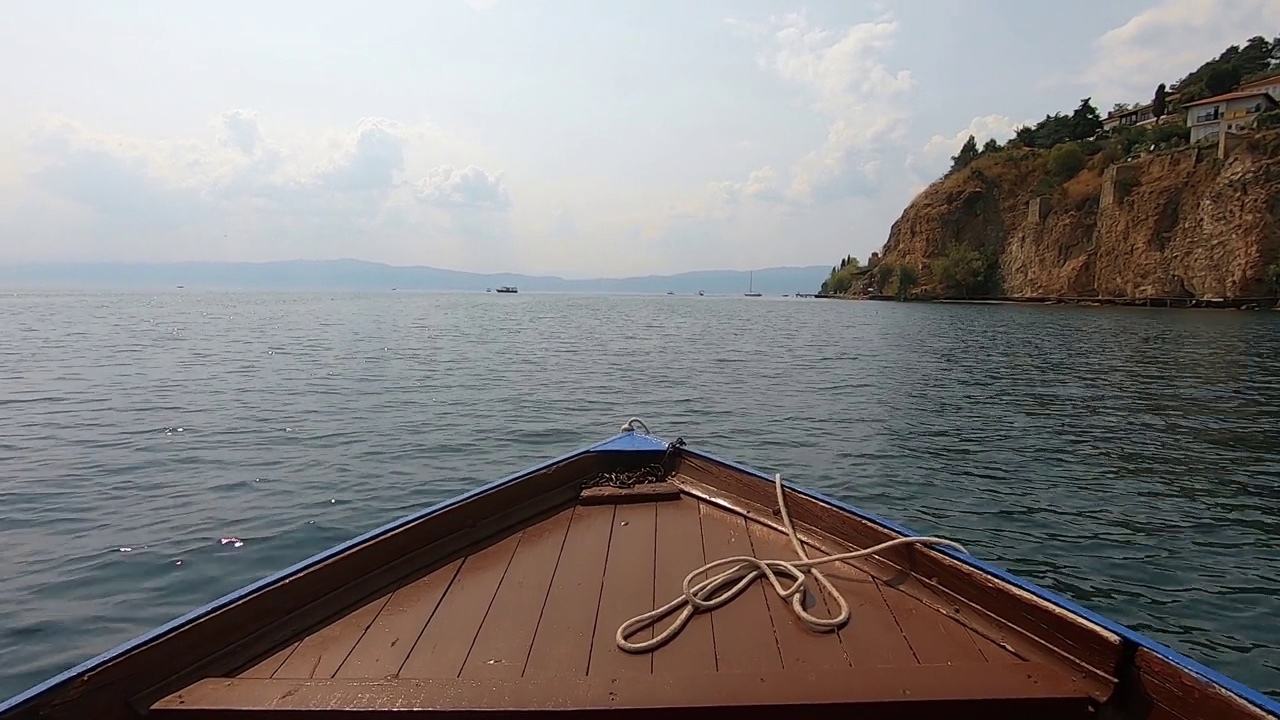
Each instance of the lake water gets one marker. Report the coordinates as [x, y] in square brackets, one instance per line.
[1126, 458]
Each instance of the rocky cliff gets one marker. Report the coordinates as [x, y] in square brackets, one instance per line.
[1183, 223]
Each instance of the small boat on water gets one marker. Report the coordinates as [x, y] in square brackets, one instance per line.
[751, 284]
[507, 289]
[627, 577]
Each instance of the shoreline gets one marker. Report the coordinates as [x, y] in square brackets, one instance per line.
[1249, 303]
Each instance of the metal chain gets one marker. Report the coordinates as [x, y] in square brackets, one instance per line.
[644, 475]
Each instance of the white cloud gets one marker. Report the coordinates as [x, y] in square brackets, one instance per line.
[239, 129]
[849, 83]
[1168, 41]
[304, 197]
[934, 158]
[472, 187]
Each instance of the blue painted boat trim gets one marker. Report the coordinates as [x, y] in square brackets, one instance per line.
[615, 443]
[631, 442]
[1210, 675]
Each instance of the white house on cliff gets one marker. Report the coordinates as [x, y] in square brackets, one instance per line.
[1233, 112]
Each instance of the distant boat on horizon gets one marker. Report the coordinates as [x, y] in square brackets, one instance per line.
[507, 289]
[751, 285]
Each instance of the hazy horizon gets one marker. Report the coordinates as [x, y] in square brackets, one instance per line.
[546, 137]
[353, 274]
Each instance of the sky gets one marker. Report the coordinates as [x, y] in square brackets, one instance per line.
[573, 137]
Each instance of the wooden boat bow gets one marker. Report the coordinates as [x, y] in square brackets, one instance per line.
[511, 600]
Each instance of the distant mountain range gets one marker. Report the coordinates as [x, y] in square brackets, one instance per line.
[362, 275]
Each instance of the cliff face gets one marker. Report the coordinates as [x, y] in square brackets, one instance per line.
[1182, 224]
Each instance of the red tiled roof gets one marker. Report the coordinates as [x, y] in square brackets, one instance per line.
[1228, 96]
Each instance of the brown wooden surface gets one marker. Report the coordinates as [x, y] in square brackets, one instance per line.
[382, 650]
[1187, 696]
[562, 640]
[445, 642]
[548, 600]
[502, 646]
[627, 591]
[921, 687]
[268, 667]
[678, 553]
[649, 492]
[320, 654]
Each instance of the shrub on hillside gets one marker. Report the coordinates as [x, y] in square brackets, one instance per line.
[1066, 160]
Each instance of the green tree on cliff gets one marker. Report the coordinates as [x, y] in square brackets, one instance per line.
[1158, 102]
[843, 276]
[884, 273]
[963, 270]
[1066, 160]
[1085, 121]
[906, 279]
[1273, 277]
[1222, 74]
[968, 153]
[1053, 130]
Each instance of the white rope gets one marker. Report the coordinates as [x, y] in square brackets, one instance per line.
[721, 589]
[630, 425]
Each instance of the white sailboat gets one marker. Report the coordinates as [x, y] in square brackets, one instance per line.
[751, 285]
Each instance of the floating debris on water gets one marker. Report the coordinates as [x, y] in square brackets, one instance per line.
[232, 541]
[126, 549]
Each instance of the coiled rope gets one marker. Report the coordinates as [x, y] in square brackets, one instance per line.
[721, 589]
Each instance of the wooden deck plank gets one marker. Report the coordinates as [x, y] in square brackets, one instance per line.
[872, 636]
[268, 666]
[388, 641]
[322, 652]
[627, 592]
[742, 629]
[443, 646]
[991, 651]
[799, 645]
[679, 552]
[562, 642]
[920, 691]
[502, 647]
[935, 637]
